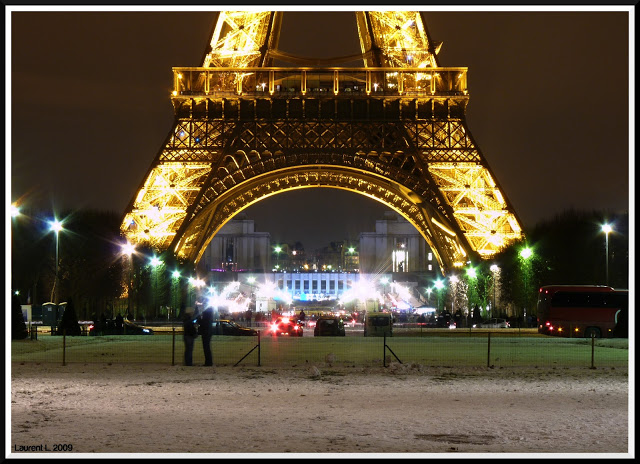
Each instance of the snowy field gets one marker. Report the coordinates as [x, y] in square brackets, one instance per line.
[315, 410]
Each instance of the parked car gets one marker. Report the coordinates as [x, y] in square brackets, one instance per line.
[494, 323]
[226, 327]
[286, 326]
[110, 327]
[329, 325]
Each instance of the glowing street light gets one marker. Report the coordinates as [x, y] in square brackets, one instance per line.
[56, 226]
[15, 210]
[175, 292]
[128, 249]
[155, 263]
[439, 286]
[607, 229]
[525, 255]
[494, 269]
[277, 249]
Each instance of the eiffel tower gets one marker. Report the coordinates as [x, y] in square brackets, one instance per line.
[393, 130]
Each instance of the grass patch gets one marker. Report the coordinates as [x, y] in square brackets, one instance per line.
[433, 350]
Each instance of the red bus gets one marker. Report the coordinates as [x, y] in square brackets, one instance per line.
[580, 310]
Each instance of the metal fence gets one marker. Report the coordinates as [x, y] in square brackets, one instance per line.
[425, 347]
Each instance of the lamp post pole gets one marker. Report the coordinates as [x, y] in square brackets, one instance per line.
[128, 249]
[494, 268]
[278, 250]
[525, 254]
[606, 229]
[56, 226]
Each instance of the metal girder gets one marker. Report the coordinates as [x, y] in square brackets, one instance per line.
[394, 130]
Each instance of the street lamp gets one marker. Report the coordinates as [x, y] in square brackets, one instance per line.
[439, 286]
[606, 229]
[15, 210]
[494, 269]
[195, 284]
[277, 250]
[252, 282]
[175, 293]
[471, 293]
[525, 255]
[155, 263]
[129, 249]
[56, 226]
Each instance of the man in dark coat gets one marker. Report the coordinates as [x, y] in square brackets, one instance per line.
[190, 335]
[205, 320]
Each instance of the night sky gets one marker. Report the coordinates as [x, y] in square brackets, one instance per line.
[549, 108]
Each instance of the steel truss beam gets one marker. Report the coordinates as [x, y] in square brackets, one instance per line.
[394, 131]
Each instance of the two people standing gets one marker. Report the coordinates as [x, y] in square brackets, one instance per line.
[192, 327]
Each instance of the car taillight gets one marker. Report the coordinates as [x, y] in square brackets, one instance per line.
[295, 327]
[274, 327]
[548, 324]
[91, 327]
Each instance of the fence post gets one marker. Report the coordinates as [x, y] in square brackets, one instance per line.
[384, 349]
[258, 348]
[173, 346]
[488, 349]
[64, 346]
[593, 344]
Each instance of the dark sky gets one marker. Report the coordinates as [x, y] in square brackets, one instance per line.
[549, 108]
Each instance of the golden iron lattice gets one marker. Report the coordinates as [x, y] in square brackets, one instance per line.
[393, 130]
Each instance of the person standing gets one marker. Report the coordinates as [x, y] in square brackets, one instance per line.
[206, 319]
[190, 334]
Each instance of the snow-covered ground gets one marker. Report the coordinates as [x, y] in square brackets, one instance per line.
[131, 408]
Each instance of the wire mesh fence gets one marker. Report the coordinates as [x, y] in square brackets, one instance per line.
[430, 348]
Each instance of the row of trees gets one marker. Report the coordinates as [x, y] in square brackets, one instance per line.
[568, 249]
[101, 279]
[92, 269]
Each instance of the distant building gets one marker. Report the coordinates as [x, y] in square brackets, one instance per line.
[237, 247]
[395, 246]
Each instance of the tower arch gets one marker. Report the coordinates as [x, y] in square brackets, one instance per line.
[394, 130]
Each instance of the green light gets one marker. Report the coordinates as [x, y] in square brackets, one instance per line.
[471, 272]
[175, 274]
[526, 253]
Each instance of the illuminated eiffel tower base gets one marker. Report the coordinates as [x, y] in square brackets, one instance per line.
[393, 130]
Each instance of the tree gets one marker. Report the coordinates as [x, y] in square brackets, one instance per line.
[18, 327]
[69, 321]
[569, 249]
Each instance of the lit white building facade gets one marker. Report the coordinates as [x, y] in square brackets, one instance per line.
[395, 246]
[237, 247]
